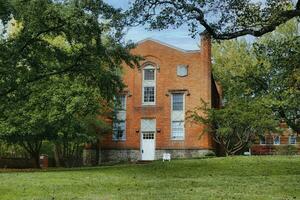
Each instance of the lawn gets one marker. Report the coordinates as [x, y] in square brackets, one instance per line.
[214, 178]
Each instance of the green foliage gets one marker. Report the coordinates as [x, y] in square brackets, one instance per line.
[89, 34]
[267, 71]
[236, 125]
[60, 66]
[222, 19]
[12, 151]
[260, 86]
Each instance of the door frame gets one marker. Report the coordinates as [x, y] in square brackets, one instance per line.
[141, 138]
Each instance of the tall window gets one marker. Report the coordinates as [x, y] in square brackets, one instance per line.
[149, 85]
[177, 116]
[177, 102]
[119, 121]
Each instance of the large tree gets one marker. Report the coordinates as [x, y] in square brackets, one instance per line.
[268, 69]
[223, 19]
[59, 61]
[260, 84]
[58, 110]
[91, 30]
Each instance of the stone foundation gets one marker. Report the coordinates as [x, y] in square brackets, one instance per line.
[89, 157]
[132, 155]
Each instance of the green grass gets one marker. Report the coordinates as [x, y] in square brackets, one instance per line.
[215, 178]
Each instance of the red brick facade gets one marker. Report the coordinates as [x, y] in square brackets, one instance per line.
[197, 85]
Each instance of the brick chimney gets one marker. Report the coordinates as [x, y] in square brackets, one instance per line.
[205, 45]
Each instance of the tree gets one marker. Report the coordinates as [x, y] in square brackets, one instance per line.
[267, 69]
[222, 19]
[260, 88]
[59, 62]
[58, 110]
[91, 29]
[235, 126]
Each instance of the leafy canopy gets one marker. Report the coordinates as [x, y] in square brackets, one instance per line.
[223, 19]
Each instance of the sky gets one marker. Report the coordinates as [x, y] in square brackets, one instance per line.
[176, 37]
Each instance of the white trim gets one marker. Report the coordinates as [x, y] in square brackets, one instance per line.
[122, 113]
[290, 139]
[148, 83]
[141, 137]
[183, 113]
[168, 45]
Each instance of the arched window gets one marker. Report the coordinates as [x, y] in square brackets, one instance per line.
[149, 85]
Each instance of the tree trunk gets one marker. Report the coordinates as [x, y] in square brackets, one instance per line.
[36, 158]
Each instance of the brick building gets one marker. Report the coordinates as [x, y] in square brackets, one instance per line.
[151, 118]
[283, 143]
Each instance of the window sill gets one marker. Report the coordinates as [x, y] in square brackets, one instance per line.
[177, 139]
[148, 105]
[119, 140]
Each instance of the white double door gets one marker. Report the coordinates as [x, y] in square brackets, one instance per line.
[148, 132]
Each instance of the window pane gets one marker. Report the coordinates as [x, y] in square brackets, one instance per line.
[177, 101]
[123, 102]
[149, 74]
[148, 94]
[120, 103]
[177, 129]
[119, 130]
[293, 139]
[276, 140]
[262, 140]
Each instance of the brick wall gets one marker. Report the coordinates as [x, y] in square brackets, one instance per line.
[198, 85]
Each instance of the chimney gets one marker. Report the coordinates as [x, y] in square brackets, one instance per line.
[206, 65]
[206, 44]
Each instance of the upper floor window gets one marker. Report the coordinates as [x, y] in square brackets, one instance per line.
[292, 139]
[149, 85]
[177, 102]
[149, 74]
[120, 103]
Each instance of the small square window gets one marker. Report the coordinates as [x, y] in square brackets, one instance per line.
[182, 70]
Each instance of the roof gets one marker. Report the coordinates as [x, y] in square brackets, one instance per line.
[168, 45]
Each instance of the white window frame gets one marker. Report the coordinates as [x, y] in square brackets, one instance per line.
[149, 83]
[114, 137]
[120, 115]
[177, 120]
[274, 140]
[290, 139]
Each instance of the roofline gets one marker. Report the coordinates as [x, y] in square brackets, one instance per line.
[168, 45]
